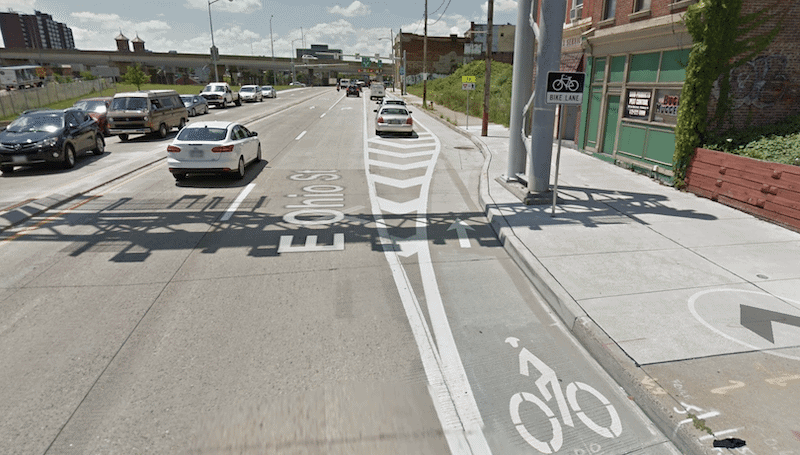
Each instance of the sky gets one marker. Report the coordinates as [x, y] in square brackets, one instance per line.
[242, 27]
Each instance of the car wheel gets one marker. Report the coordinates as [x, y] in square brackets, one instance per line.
[162, 131]
[123, 137]
[69, 157]
[99, 145]
[238, 102]
[193, 113]
[10, 169]
[224, 104]
[181, 124]
[258, 154]
[240, 170]
[179, 176]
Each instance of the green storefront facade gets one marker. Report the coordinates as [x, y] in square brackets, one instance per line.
[631, 100]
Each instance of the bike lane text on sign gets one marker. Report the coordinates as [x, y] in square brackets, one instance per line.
[565, 88]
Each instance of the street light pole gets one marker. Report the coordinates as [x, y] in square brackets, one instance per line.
[214, 51]
[294, 79]
[272, 44]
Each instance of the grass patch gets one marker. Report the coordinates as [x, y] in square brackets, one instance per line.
[447, 91]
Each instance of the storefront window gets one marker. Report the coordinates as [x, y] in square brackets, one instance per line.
[638, 104]
[667, 102]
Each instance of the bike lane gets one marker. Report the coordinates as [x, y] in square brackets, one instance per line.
[535, 389]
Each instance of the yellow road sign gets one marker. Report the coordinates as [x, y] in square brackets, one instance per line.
[466, 79]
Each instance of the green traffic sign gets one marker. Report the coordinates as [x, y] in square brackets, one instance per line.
[365, 62]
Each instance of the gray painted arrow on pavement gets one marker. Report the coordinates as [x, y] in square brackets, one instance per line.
[760, 321]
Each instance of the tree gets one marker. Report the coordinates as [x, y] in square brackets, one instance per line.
[136, 76]
[723, 39]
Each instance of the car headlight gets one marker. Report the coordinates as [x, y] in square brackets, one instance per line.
[145, 118]
[48, 142]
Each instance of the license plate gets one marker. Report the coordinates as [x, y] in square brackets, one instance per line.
[395, 122]
[196, 153]
[19, 159]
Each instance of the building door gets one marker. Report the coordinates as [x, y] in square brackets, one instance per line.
[612, 114]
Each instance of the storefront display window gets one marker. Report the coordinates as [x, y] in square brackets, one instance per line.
[666, 110]
[638, 104]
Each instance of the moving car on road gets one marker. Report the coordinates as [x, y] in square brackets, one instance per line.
[97, 108]
[268, 91]
[353, 90]
[251, 93]
[220, 94]
[195, 104]
[49, 136]
[215, 147]
[393, 119]
[146, 112]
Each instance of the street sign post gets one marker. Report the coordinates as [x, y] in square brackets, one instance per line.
[562, 89]
[467, 83]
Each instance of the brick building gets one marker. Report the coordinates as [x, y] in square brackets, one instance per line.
[445, 53]
[634, 54]
[502, 42]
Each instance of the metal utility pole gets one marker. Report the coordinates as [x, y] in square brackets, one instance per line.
[522, 80]
[425, 60]
[543, 114]
[487, 84]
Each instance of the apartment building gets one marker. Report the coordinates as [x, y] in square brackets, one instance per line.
[35, 31]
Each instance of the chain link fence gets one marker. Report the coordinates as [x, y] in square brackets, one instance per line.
[13, 102]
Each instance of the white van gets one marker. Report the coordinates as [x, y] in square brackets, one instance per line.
[376, 91]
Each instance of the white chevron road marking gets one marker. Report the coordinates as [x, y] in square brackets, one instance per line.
[400, 167]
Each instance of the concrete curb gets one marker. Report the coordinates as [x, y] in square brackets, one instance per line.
[657, 406]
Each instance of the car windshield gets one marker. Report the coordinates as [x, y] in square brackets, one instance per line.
[188, 100]
[204, 133]
[37, 123]
[92, 106]
[247, 89]
[128, 104]
[266, 87]
[394, 111]
[214, 88]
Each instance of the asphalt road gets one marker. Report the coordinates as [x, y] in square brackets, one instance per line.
[347, 296]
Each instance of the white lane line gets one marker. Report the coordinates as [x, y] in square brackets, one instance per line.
[323, 115]
[449, 387]
[229, 213]
[300, 135]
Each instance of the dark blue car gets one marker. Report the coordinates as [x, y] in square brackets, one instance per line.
[49, 136]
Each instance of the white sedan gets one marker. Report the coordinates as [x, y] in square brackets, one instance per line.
[213, 147]
[392, 118]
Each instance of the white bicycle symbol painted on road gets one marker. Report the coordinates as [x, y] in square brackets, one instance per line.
[548, 376]
[565, 82]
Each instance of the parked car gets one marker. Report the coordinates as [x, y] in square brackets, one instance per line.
[268, 91]
[195, 104]
[146, 112]
[353, 90]
[97, 108]
[251, 93]
[49, 136]
[220, 94]
[297, 84]
[215, 147]
[393, 119]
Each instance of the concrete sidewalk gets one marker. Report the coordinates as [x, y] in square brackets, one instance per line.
[693, 307]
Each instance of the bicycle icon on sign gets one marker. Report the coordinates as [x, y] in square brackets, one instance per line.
[565, 82]
[566, 405]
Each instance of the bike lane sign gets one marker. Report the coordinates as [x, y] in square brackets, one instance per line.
[564, 88]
